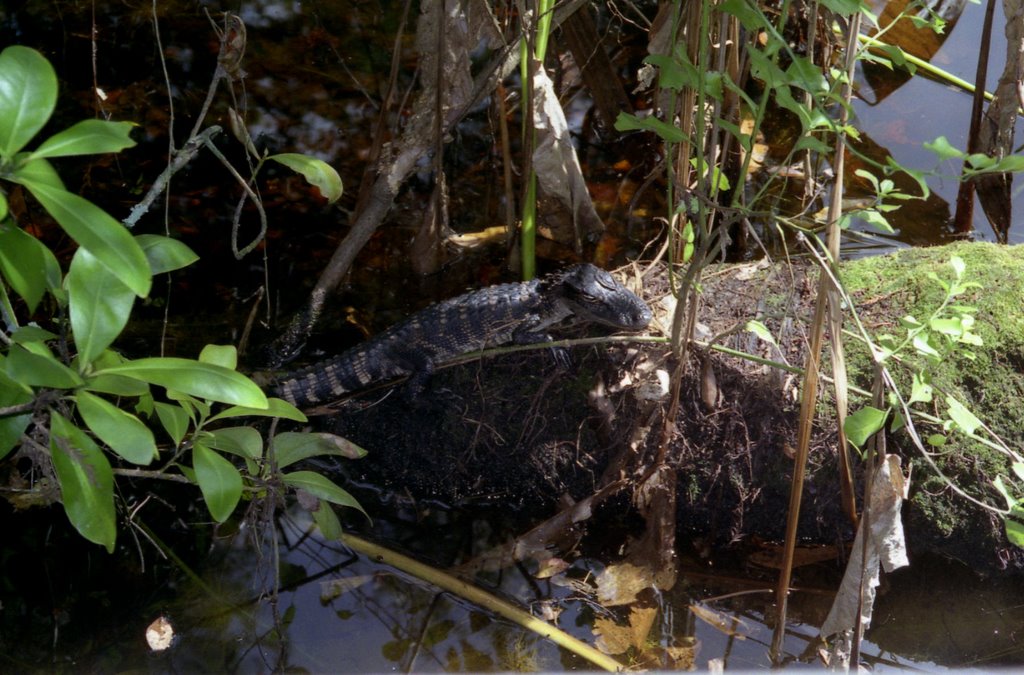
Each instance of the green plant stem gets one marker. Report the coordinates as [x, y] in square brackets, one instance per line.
[528, 234]
[482, 598]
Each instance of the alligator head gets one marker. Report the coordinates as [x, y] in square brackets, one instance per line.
[594, 295]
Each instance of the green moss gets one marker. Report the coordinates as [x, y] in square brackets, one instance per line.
[991, 385]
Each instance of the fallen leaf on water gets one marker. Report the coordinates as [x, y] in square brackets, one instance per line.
[160, 634]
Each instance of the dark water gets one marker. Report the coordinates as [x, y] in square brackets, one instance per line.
[314, 72]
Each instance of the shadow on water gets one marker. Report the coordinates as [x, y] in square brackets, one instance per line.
[341, 612]
[315, 71]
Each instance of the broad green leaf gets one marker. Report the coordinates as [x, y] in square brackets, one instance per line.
[675, 72]
[316, 171]
[1015, 529]
[761, 331]
[174, 419]
[123, 432]
[39, 369]
[203, 380]
[27, 264]
[86, 482]
[219, 481]
[863, 424]
[921, 389]
[946, 326]
[812, 143]
[37, 171]
[747, 13]
[1018, 470]
[936, 440]
[943, 149]
[220, 355]
[27, 334]
[963, 417]
[88, 137]
[13, 426]
[99, 305]
[165, 254]
[667, 132]
[3, 206]
[93, 228]
[245, 442]
[806, 75]
[322, 487]
[292, 446]
[958, 265]
[923, 345]
[114, 384]
[327, 521]
[28, 95]
[277, 408]
[846, 7]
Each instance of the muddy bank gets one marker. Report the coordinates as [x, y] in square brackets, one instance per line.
[516, 430]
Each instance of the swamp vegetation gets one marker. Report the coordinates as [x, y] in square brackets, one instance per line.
[196, 197]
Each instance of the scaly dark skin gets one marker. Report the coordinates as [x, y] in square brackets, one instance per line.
[518, 313]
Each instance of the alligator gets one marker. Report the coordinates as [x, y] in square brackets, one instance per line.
[517, 313]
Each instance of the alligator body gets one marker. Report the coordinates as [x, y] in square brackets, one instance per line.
[517, 313]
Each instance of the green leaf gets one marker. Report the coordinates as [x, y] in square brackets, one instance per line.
[675, 72]
[219, 481]
[846, 7]
[113, 384]
[203, 380]
[123, 432]
[27, 264]
[37, 171]
[165, 254]
[747, 13]
[13, 426]
[761, 331]
[28, 95]
[245, 442]
[322, 487]
[40, 369]
[936, 440]
[327, 521]
[863, 424]
[88, 137]
[97, 232]
[812, 143]
[86, 482]
[667, 132]
[921, 389]
[220, 355]
[806, 75]
[277, 408]
[1018, 470]
[963, 417]
[28, 334]
[174, 419]
[4, 210]
[946, 326]
[292, 446]
[99, 305]
[1015, 529]
[943, 149]
[316, 171]
[923, 345]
